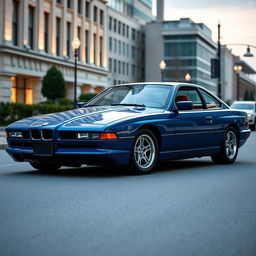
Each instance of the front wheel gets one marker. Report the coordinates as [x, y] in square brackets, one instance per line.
[42, 167]
[144, 152]
[229, 148]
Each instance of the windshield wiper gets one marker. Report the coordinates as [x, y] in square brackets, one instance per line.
[128, 104]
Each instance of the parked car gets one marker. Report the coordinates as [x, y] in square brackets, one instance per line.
[250, 108]
[132, 124]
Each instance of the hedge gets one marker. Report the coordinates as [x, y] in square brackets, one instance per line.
[11, 112]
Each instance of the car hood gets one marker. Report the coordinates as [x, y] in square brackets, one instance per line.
[83, 117]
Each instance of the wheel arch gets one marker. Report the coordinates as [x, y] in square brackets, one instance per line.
[154, 130]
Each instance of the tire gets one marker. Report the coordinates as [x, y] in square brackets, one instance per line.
[144, 152]
[45, 167]
[229, 148]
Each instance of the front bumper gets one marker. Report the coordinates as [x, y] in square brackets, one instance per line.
[70, 153]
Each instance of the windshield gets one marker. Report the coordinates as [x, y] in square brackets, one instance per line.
[242, 106]
[152, 96]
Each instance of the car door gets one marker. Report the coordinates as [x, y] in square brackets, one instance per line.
[194, 129]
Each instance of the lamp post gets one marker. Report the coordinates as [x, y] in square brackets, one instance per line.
[238, 69]
[75, 44]
[162, 66]
[187, 77]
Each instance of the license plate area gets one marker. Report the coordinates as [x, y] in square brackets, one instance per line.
[43, 149]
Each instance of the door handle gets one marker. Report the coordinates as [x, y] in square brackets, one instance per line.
[209, 119]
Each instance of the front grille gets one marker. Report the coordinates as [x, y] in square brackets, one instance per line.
[35, 134]
[44, 134]
[20, 144]
[47, 134]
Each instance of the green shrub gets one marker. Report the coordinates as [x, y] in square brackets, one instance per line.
[54, 86]
[86, 96]
[11, 112]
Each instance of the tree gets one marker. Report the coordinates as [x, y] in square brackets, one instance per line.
[54, 86]
[86, 96]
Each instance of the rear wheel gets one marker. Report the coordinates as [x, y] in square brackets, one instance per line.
[145, 152]
[229, 148]
[42, 167]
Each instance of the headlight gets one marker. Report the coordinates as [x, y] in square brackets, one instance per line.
[88, 135]
[14, 134]
[96, 136]
[249, 114]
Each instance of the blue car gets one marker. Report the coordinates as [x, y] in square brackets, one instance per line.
[132, 124]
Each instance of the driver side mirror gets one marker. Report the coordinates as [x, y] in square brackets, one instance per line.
[184, 105]
[80, 104]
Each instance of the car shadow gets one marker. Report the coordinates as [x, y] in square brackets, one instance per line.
[121, 171]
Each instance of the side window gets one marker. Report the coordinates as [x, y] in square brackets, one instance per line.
[209, 100]
[189, 95]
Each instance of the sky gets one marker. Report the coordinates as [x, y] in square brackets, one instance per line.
[237, 19]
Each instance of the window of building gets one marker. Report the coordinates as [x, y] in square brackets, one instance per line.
[127, 69]
[110, 44]
[127, 50]
[101, 17]
[68, 45]
[127, 31]
[114, 25]
[87, 9]
[69, 4]
[31, 27]
[95, 14]
[133, 70]
[79, 6]
[110, 64]
[46, 32]
[119, 67]
[101, 51]
[133, 52]
[119, 47]
[15, 18]
[123, 68]
[110, 23]
[114, 65]
[119, 27]
[58, 21]
[87, 46]
[123, 32]
[79, 37]
[133, 34]
[59, 1]
[115, 45]
[123, 49]
[94, 48]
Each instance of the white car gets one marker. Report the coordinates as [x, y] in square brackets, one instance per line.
[250, 108]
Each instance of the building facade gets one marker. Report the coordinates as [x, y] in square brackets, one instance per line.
[187, 49]
[38, 34]
[126, 39]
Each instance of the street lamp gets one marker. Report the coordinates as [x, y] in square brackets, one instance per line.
[238, 69]
[162, 66]
[187, 77]
[248, 52]
[75, 44]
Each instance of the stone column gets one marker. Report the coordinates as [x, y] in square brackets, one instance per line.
[36, 87]
[40, 25]
[5, 88]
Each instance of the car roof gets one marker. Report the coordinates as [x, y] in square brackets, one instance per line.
[175, 84]
[245, 102]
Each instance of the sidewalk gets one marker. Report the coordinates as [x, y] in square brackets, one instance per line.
[3, 143]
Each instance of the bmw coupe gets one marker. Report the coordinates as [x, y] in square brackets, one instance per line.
[132, 124]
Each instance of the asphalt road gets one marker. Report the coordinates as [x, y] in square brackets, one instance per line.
[189, 207]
